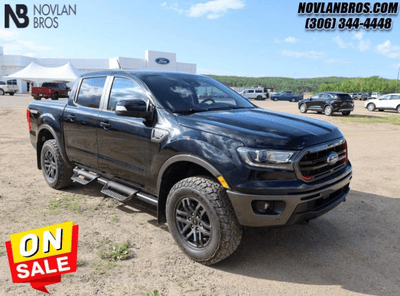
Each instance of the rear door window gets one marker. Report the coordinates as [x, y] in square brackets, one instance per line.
[90, 92]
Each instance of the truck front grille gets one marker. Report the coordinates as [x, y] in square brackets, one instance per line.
[318, 164]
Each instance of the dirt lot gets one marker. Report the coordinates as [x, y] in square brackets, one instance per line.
[352, 250]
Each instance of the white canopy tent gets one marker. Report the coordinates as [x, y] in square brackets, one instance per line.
[39, 74]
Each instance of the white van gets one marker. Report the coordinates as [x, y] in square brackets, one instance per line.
[258, 93]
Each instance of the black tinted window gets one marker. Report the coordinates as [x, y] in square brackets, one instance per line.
[124, 89]
[250, 91]
[180, 92]
[90, 92]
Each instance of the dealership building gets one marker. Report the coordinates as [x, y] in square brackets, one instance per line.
[154, 60]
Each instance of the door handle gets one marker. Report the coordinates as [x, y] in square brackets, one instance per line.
[105, 125]
[71, 117]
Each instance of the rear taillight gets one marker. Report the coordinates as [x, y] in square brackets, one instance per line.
[28, 118]
[344, 146]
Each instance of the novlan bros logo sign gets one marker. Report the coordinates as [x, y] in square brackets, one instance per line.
[45, 16]
[21, 12]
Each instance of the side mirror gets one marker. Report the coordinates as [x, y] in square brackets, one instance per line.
[133, 108]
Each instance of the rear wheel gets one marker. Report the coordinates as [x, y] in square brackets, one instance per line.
[371, 107]
[303, 108]
[346, 113]
[55, 97]
[328, 110]
[202, 221]
[259, 98]
[56, 171]
[11, 94]
[293, 100]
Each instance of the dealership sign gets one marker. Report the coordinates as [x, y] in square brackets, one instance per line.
[162, 61]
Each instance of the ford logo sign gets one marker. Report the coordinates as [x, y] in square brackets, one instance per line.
[162, 61]
[332, 158]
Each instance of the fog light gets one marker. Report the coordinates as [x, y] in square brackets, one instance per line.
[262, 207]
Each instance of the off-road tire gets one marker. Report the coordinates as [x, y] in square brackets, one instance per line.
[371, 107]
[56, 171]
[213, 213]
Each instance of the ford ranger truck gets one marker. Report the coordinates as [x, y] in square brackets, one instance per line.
[207, 158]
[50, 90]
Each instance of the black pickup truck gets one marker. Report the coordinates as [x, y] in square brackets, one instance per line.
[207, 158]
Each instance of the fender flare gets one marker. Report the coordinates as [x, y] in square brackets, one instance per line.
[50, 129]
[188, 158]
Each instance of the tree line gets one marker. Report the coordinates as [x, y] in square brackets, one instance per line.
[313, 85]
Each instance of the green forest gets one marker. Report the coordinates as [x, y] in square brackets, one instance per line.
[313, 85]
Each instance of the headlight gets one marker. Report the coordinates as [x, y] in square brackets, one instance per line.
[275, 159]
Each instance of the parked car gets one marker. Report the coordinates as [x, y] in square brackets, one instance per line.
[255, 93]
[51, 90]
[375, 95]
[286, 96]
[328, 103]
[8, 88]
[385, 102]
[209, 165]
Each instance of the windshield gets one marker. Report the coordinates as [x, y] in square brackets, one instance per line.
[180, 93]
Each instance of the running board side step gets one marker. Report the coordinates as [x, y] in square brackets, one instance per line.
[83, 177]
[118, 191]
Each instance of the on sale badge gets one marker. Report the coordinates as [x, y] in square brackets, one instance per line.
[40, 256]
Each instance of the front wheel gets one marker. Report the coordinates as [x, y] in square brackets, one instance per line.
[371, 107]
[202, 221]
[328, 110]
[346, 113]
[303, 108]
[56, 171]
[398, 108]
[1, 92]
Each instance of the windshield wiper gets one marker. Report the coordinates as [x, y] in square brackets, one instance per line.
[228, 108]
[190, 111]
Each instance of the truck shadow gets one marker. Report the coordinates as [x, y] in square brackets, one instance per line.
[356, 246]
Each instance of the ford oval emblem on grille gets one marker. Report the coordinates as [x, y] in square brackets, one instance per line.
[332, 158]
[162, 61]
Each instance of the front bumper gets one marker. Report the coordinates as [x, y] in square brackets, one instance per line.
[296, 207]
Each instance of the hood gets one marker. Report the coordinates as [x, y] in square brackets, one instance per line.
[263, 128]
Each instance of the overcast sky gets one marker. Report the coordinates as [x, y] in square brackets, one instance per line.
[226, 37]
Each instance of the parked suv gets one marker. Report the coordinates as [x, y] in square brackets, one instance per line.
[207, 158]
[328, 102]
[8, 88]
[385, 102]
[255, 93]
